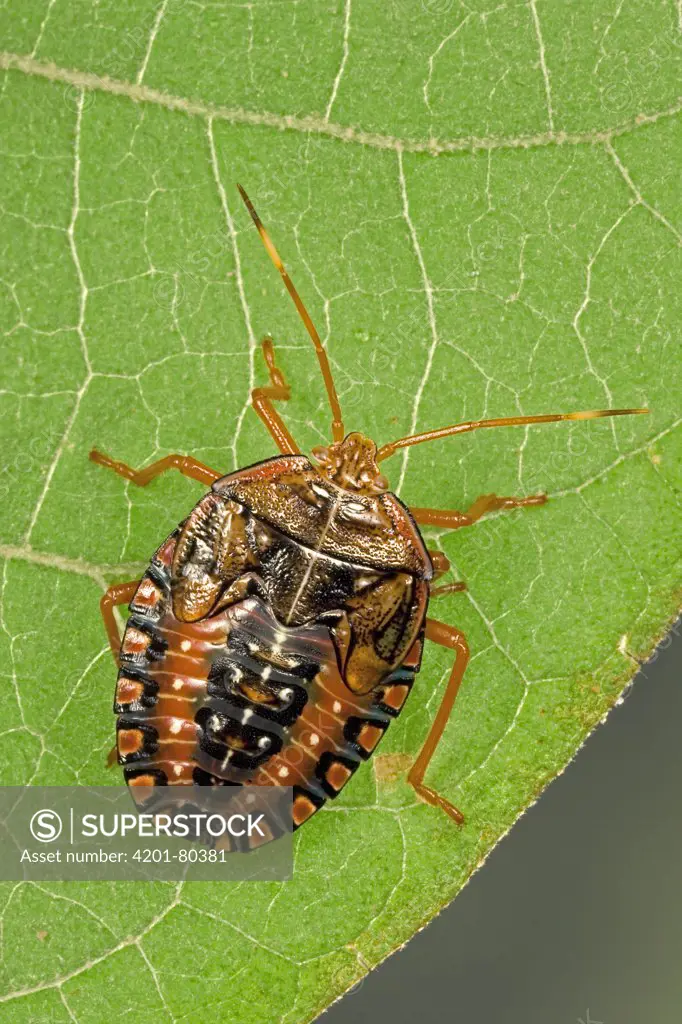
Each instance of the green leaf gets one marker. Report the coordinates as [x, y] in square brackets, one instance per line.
[481, 208]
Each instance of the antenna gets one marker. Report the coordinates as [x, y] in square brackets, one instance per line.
[338, 431]
[387, 450]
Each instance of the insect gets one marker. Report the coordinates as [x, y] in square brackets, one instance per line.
[277, 632]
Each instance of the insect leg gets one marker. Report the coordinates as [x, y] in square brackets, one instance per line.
[448, 588]
[120, 593]
[441, 565]
[262, 399]
[446, 636]
[451, 519]
[141, 477]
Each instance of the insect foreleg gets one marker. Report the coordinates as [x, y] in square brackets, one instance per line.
[141, 477]
[451, 519]
[446, 636]
[277, 391]
[120, 593]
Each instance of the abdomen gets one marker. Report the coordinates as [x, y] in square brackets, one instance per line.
[237, 698]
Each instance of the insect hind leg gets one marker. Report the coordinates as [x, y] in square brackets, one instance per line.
[446, 636]
[277, 391]
[120, 593]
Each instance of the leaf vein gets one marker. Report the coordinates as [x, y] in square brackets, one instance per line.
[316, 125]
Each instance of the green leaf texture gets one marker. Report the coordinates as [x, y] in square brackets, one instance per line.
[481, 206]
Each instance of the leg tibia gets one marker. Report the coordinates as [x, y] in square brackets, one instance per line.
[120, 593]
[446, 636]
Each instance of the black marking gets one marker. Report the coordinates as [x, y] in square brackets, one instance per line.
[256, 652]
[158, 574]
[284, 699]
[246, 713]
[137, 672]
[264, 668]
[204, 778]
[227, 739]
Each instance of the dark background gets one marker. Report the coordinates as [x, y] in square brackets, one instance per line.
[577, 915]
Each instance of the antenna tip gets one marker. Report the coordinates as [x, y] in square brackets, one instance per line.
[250, 207]
[598, 413]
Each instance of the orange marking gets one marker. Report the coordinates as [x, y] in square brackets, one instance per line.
[369, 736]
[135, 642]
[130, 741]
[395, 696]
[303, 808]
[147, 594]
[339, 701]
[142, 780]
[337, 775]
[128, 690]
[257, 696]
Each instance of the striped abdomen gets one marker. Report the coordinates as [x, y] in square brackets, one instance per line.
[237, 698]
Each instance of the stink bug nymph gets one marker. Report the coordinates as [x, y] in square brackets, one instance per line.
[278, 630]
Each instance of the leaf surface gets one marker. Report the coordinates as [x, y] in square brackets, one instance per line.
[481, 209]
